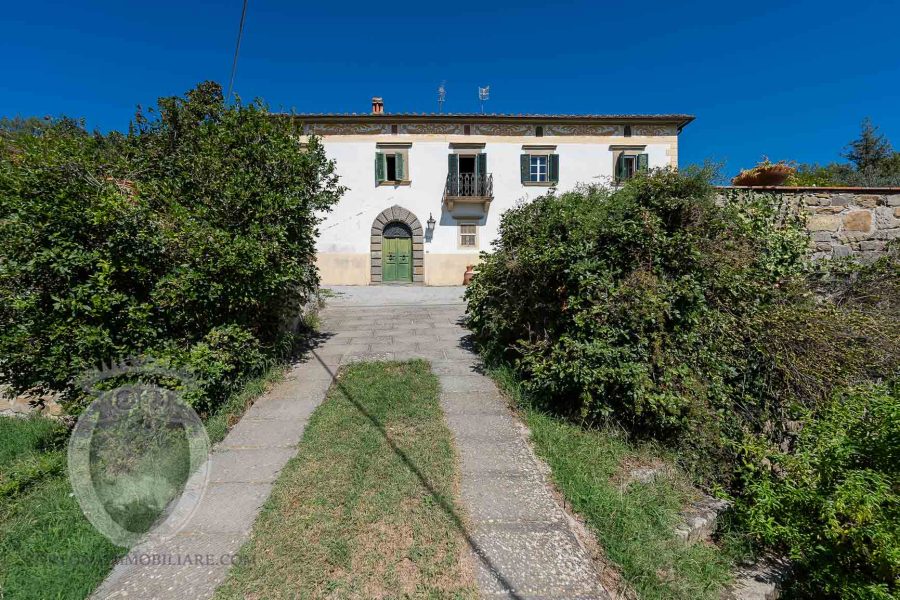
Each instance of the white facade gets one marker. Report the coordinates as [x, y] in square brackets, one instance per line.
[349, 243]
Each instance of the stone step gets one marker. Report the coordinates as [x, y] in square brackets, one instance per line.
[698, 521]
[758, 581]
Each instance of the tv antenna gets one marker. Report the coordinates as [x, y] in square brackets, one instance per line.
[484, 93]
[442, 94]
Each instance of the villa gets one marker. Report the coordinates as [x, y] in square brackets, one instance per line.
[426, 191]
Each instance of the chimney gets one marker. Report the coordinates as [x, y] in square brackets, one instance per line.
[377, 106]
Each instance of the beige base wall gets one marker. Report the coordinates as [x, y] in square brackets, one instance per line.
[344, 269]
[353, 269]
[447, 269]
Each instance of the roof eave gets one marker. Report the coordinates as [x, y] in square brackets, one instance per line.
[679, 120]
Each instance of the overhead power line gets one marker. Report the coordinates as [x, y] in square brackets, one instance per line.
[237, 49]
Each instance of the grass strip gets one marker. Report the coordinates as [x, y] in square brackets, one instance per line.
[634, 523]
[366, 509]
[48, 549]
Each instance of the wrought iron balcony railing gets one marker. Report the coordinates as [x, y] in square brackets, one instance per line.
[470, 185]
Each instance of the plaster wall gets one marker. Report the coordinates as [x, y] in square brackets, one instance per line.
[345, 235]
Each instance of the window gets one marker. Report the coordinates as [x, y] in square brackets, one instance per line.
[628, 131]
[391, 165]
[468, 235]
[394, 130]
[467, 173]
[467, 130]
[539, 131]
[541, 168]
[538, 168]
[628, 167]
[628, 163]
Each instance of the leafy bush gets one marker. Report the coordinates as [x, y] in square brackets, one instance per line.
[833, 504]
[191, 237]
[698, 324]
[618, 304]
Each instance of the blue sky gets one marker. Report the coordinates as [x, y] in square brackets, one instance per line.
[790, 80]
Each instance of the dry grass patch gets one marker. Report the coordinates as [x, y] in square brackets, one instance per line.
[367, 508]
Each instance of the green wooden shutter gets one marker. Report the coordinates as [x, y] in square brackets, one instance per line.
[453, 173]
[480, 173]
[380, 167]
[525, 164]
[643, 162]
[553, 167]
[481, 164]
[621, 175]
[399, 167]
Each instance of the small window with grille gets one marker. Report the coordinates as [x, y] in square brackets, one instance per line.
[468, 235]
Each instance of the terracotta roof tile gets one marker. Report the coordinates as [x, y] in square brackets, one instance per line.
[681, 119]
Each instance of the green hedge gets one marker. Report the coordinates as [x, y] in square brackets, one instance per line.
[697, 324]
[190, 239]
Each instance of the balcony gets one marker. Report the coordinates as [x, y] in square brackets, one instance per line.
[469, 188]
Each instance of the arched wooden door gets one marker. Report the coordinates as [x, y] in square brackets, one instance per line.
[397, 252]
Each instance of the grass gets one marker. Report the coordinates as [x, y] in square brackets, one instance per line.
[633, 523]
[366, 509]
[219, 423]
[48, 549]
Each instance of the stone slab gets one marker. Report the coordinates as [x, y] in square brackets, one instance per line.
[475, 383]
[487, 498]
[541, 561]
[228, 508]
[175, 579]
[258, 465]
[264, 433]
[292, 408]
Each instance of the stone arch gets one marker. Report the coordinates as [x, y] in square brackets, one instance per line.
[400, 214]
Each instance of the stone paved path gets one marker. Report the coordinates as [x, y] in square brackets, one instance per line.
[242, 469]
[521, 541]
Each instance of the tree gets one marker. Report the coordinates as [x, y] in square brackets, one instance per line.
[873, 162]
[869, 149]
[190, 239]
[19, 125]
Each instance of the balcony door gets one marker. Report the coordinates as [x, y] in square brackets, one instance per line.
[467, 174]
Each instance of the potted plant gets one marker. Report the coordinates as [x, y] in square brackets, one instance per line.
[766, 173]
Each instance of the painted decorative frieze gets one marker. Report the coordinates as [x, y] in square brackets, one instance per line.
[583, 129]
[654, 130]
[345, 128]
[440, 128]
[508, 129]
[503, 129]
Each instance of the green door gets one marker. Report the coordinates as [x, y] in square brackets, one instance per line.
[397, 259]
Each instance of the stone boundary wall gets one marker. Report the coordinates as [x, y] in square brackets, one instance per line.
[20, 406]
[842, 222]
